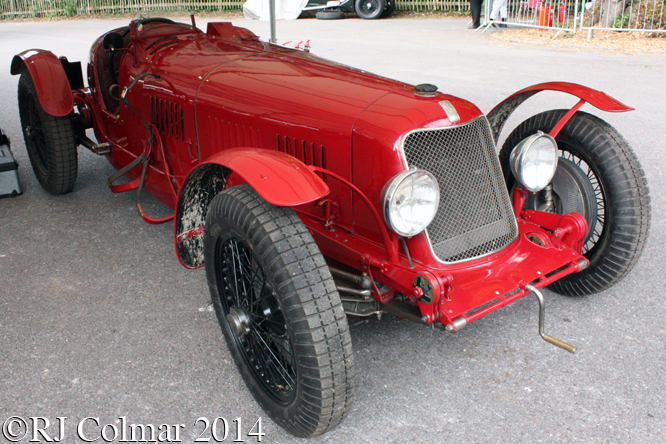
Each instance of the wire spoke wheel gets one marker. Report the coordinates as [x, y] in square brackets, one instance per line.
[250, 304]
[586, 189]
[369, 6]
[279, 311]
[598, 176]
[369, 9]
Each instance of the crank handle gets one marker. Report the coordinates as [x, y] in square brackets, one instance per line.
[561, 344]
[542, 320]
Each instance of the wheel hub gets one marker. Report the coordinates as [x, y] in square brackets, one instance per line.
[572, 192]
[239, 322]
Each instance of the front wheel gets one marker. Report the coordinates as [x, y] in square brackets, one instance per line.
[49, 140]
[598, 176]
[279, 310]
[369, 9]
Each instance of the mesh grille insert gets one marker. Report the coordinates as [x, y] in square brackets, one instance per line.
[475, 216]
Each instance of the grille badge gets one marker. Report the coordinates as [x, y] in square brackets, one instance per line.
[450, 111]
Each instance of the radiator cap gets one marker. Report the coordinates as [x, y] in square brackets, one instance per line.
[426, 90]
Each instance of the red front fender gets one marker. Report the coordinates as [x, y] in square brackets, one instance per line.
[498, 116]
[279, 178]
[50, 79]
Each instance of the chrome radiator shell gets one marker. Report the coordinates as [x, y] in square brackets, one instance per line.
[475, 216]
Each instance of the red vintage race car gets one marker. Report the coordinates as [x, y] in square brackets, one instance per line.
[311, 190]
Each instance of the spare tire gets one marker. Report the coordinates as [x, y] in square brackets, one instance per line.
[330, 15]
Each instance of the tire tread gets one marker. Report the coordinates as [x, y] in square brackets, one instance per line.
[309, 299]
[62, 156]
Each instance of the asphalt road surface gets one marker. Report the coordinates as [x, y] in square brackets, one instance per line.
[99, 320]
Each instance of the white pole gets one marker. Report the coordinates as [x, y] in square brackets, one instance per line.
[271, 9]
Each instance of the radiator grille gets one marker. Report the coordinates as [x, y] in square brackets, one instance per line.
[475, 216]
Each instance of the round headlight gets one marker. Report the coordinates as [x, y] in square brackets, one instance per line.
[410, 202]
[534, 161]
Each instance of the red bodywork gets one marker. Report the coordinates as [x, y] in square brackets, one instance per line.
[51, 83]
[311, 134]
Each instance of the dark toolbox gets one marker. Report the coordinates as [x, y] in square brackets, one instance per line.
[9, 180]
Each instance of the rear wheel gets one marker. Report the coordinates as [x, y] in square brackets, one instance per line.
[389, 8]
[599, 176]
[49, 140]
[369, 9]
[279, 310]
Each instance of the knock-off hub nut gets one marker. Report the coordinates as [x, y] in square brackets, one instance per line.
[239, 322]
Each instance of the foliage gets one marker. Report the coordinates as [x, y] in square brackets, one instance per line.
[649, 15]
[638, 14]
[621, 22]
[69, 7]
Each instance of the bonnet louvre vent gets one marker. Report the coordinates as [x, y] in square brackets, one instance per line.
[168, 118]
[306, 152]
[229, 134]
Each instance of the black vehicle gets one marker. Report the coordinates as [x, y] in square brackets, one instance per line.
[366, 9]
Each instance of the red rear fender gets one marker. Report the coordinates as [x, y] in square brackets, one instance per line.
[50, 79]
[499, 115]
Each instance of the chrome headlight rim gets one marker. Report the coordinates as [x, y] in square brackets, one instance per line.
[388, 193]
[519, 154]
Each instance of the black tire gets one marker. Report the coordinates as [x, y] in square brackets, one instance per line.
[330, 15]
[609, 188]
[285, 327]
[49, 140]
[389, 8]
[369, 9]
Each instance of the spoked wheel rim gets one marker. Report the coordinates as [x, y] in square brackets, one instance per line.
[369, 7]
[576, 187]
[256, 320]
[34, 135]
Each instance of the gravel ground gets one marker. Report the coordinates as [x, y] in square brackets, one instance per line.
[601, 40]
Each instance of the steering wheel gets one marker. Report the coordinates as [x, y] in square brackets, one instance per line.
[115, 40]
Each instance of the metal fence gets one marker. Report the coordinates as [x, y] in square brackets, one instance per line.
[624, 15]
[559, 15]
[432, 5]
[573, 15]
[54, 8]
